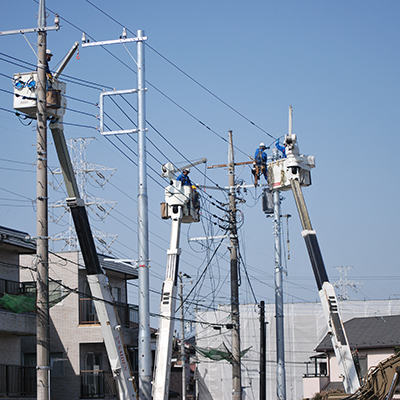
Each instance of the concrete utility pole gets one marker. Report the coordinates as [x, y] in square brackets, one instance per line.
[280, 339]
[235, 316]
[263, 353]
[42, 262]
[183, 351]
[42, 302]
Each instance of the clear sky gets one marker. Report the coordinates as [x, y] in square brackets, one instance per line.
[336, 63]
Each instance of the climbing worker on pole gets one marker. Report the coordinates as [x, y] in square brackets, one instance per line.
[260, 163]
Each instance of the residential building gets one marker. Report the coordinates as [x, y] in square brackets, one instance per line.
[16, 380]
[79, 365]
[374, 339]
[305, 327]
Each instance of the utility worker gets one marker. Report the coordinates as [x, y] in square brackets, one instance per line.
[49, 54]
[281, 148]
[184, 178]
[260, 163]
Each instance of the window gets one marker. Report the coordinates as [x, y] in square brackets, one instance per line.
[93, 361]
[363, 365]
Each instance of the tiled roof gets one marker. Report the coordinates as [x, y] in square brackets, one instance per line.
[368, 332]
[14, 240]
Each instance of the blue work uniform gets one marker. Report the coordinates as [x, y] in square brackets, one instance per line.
[184, 179]
[261, 159]
[281, 148]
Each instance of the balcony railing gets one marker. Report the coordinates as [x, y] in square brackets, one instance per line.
[88, 316]
[17, 381]
[316, 369]
[97, 384]
[15, 287]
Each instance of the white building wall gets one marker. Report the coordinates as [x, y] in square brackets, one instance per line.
[305, 327]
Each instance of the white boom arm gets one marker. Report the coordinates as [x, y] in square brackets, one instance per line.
[25, 95]
[168, 169]
[290, 174]
[98, 281]
[167, 313]
[182, 206]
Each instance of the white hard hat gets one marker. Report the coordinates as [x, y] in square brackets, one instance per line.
[186, 169]
[48, 52]
[262, 144]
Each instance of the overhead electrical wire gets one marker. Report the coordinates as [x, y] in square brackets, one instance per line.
[158, 90]
[200, 122]
[185, 73]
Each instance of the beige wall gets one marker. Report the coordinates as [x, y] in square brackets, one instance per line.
[67, 336]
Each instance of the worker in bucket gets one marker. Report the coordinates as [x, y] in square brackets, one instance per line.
[260, 163]
[49, 54]
[184, 177]
[281, 148]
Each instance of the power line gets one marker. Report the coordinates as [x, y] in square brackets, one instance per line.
[186, 74]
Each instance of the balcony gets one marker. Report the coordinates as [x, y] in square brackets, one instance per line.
[87, 313]
[17, 381]
[14, 287]
[97, 384]
[318, 367]
[13, 320]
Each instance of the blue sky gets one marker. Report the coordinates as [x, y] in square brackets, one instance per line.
[336, 63]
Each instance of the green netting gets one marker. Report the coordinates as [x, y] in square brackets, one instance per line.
[20, 303]
[220, 353]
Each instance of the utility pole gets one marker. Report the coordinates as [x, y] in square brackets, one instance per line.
[183, 351]
[145, 374]
[143, 234]
[279, 307]
[42, 302]
[263, 353]
[280, 343]
[42, 255]
[236, 364]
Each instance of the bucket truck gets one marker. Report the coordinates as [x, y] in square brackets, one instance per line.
[181, 205]
[291, 173]
[25, 93]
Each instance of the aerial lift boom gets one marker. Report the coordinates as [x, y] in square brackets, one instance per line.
[290, 174]
[181, 205]
[25, 101]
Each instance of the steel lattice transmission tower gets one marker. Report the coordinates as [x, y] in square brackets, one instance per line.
[85, 172]
[343, 284]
